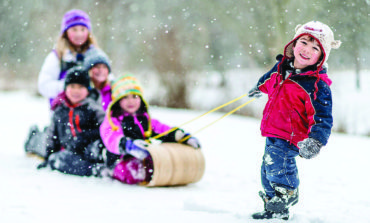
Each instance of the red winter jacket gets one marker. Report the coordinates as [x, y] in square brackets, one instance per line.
[299, 106]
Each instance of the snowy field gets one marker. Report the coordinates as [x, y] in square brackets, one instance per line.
[333, 186]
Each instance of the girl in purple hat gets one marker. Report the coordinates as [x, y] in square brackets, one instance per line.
[74, 40]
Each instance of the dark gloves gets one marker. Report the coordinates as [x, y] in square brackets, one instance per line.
[136, 148]
[255, 92]
[309, 148]
[192, 141]
[93, 151]
[42, 165]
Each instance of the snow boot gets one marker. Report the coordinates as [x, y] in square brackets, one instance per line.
[35, 144]
[34, 130]
[284, 215]
[282, 200]
[101, 170]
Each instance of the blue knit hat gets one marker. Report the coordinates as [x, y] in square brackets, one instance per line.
[75, 17]
[96, 56]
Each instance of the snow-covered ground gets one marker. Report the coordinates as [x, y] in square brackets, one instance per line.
[333, 186]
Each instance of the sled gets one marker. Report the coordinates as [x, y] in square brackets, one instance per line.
[175, 164]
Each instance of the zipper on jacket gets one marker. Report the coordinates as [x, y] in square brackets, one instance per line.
[73, 131]
[274, 98]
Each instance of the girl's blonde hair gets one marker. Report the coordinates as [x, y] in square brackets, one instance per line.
[63, 44]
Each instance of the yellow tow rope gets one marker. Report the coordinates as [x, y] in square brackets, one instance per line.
[215, 109]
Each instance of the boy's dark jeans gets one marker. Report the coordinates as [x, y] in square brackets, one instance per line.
[279, 166]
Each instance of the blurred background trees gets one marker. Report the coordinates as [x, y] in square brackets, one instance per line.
[173, 39]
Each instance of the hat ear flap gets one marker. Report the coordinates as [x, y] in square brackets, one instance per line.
[297, 27]
[335, 44]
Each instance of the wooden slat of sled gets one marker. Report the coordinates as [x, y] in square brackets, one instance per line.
[175, 164]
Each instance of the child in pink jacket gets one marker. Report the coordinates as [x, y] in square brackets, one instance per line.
[125, 127]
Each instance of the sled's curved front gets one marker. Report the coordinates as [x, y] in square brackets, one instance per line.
[175, 164]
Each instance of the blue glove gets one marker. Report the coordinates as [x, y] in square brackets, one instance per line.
[309, 148]
[136, 148]
[255, 92]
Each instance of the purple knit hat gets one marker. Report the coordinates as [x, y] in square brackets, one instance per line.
[75, 17]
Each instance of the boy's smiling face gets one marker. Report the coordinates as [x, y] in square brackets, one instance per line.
[307, 52]
[76, 93]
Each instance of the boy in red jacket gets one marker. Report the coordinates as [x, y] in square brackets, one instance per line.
[297, 118]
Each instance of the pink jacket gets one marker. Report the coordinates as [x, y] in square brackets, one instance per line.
[112, 139]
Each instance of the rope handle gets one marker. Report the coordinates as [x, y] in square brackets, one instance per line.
[206, 113]
[227, 114]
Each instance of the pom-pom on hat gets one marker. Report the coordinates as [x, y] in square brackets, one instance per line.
[321, 32]
[96, 56]
[121, 87]
[77, 75]
[75, 17]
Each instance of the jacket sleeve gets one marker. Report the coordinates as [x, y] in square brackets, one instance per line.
[95, 105]
[48, 84]
[110, 138]
[266, 80]
[321, 114]
[159, 128]
[52, 139]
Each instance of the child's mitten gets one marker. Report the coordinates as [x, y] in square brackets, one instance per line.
[136, 148]
[255, 92]
[309, 148]
[191, 141]
[44, 164]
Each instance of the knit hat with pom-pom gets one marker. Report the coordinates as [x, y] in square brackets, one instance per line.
[321, 32]
[121, 87]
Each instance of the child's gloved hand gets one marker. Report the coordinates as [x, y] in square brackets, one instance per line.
[309, 148]
[193, 142]
[254, 92]
[136, 148]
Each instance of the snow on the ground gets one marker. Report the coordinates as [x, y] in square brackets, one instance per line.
[333, 185]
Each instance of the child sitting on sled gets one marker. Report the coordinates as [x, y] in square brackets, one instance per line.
[125, 127]
[98, 66]
[72, 142]
[297, 118]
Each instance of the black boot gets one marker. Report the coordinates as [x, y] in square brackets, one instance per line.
[100, 170]
[34, 130]
[284, 215]
[35, 144]
[283, 199]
